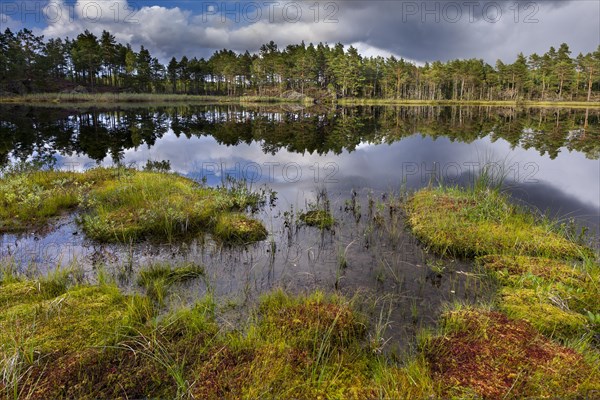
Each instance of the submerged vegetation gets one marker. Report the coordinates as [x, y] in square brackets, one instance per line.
[124, 205]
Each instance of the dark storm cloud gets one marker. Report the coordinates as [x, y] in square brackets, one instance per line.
[484, 29]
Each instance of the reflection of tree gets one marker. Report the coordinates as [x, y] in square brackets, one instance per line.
[26, 131]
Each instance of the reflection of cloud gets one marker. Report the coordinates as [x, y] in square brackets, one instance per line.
[568, 184]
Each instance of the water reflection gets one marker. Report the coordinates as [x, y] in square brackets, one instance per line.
[97, 134]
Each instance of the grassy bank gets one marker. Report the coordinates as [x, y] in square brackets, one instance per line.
[115, 98]
[540, 336]
[124, 205]
[481, 222]
[61, 339]
[491, 103]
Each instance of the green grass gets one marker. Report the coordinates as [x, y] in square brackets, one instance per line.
[81, 341]
[238, 228]
[125, 205]
[43, 321]
[167, 206]
[157, 279]
[540, 339]
[481, 222]
[94, 342]
[29, 198]
[559, 298]
[318, 218]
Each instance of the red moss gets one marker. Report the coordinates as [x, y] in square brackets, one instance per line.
[493, 355]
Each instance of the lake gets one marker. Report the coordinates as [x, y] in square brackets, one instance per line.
[354, 159]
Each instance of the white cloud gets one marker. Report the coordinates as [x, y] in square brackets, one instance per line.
[375, 27]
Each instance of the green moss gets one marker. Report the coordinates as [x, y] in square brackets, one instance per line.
[297, 347]
[159, 205]
[237, 227]
[193, 321]
[483, 222]
[536, 307]
[513, 270]
[305, 319]
[576, 284]
[81, 317]
[319, 218]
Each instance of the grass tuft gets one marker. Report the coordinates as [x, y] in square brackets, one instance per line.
[483, 222]
[318, 218]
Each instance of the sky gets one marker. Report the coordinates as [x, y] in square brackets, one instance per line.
[419, 31]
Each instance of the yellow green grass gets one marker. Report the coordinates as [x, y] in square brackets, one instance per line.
[124, 205]
[82, 341]
[321, 219]
[482, 222]
[29, 198]
[158, 278]
[115, 98]
[491, 103]
[105, 98]
[559, 298]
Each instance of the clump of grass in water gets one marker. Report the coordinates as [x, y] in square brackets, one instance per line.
[158, 278]
[166, 205]
[318, 214]
[479, 222]
[124, 205]
[318, 218]
[29, 196]
[238, 228]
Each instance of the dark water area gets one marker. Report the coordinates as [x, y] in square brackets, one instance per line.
[359, 160]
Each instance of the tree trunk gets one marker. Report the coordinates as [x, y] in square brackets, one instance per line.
[560, 89]
[589, 96]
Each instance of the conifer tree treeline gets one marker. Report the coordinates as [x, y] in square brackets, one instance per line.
[29, 63]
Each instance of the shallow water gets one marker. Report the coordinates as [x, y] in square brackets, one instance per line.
[359, 158]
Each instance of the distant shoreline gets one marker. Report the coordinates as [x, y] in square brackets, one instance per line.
[106, 98]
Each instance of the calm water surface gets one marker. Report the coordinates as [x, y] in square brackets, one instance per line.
[356, 159]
